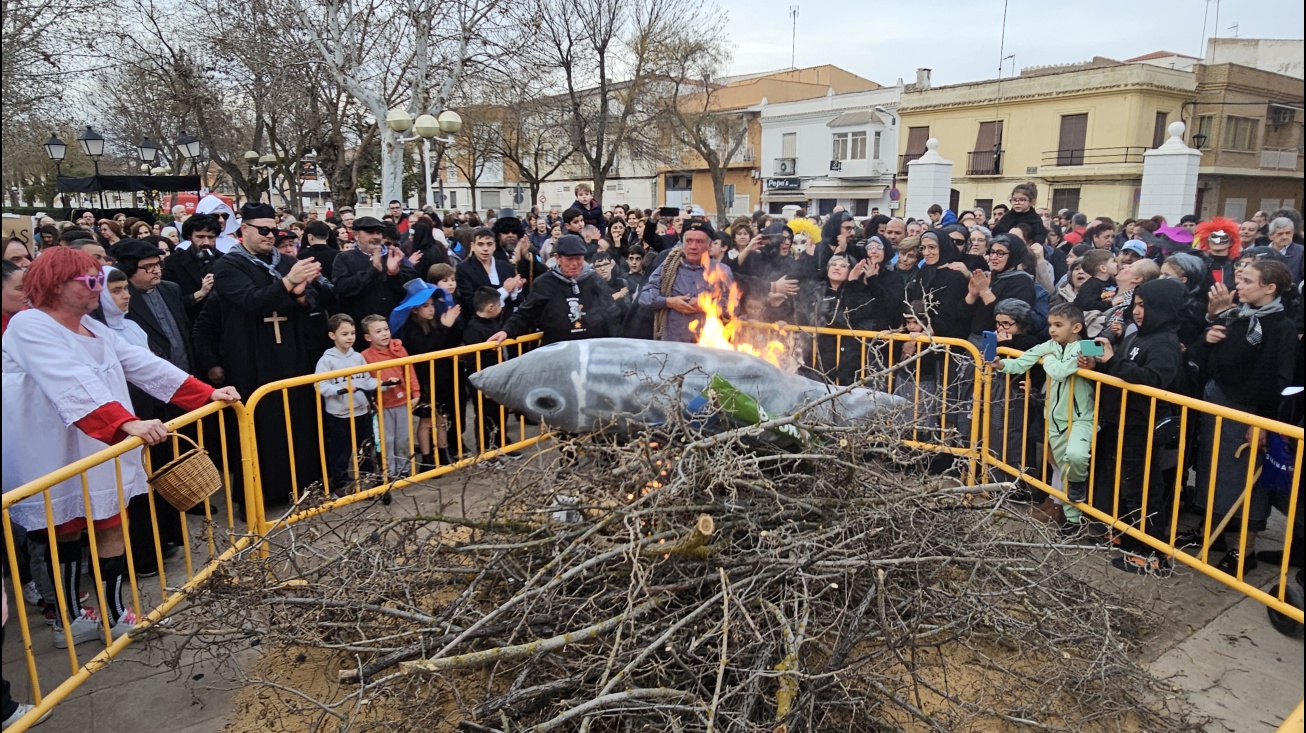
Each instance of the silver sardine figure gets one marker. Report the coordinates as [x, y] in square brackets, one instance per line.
[620, 384]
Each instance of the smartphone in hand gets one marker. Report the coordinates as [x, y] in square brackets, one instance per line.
[1091, 349]
[989, 346]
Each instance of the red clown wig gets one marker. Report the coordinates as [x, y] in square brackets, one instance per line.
[1218, 224]
[54, 267]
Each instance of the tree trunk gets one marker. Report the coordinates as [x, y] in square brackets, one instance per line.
[719, 192]
[392, 166]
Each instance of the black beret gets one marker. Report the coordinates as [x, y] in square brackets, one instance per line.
[257, 210]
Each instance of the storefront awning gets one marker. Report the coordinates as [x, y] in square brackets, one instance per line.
[784, 196]
[845, 192]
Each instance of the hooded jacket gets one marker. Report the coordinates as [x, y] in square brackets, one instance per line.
[227, 239]
[1152, 356]
[1011, 283]
[830, 241]
[1031, 217]
[950, 315]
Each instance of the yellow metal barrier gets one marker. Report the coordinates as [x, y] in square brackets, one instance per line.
[1185, 411]
[208, 426]
[490, 431]
[948, 388]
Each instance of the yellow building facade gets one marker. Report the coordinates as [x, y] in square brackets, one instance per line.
[1079, 132]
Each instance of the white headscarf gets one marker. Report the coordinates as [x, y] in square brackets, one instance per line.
[208, 205]
[116, 319]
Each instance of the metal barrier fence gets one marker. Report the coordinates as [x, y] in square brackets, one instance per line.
[223, 537]
[396, 439]
[952, 395]
[1139, 489]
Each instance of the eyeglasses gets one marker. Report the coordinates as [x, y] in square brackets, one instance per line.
[1004, 323]
[1019, 200]
[156, 267]
[998, 253]
[93, 283]
[263, 231]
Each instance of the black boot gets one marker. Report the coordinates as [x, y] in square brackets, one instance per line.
[444, 456]
[1077, 491]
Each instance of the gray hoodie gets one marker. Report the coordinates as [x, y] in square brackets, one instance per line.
[335, 404]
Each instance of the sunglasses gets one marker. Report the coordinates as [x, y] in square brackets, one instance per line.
[263, 231]
[221, 215]
[92, 282]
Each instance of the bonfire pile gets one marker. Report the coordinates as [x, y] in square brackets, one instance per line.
[690, 582]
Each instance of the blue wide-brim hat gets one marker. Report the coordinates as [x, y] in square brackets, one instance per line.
[418, 292]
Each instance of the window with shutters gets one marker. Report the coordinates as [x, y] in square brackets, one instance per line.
[985, 158]
[1159, 133]
[875, 150]
[1240, 133]
[857, 146]
[916, 139]
[1070, 145]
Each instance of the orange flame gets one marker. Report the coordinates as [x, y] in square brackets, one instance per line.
[718, 329]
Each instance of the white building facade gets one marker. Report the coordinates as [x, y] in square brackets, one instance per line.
[837, 150]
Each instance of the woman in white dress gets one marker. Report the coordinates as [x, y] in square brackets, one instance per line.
[65, 398]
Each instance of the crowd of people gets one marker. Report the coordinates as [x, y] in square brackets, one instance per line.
[159, 318]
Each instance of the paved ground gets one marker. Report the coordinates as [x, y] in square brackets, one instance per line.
[1211, 641]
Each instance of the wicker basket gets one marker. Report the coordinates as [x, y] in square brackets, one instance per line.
[187, 479]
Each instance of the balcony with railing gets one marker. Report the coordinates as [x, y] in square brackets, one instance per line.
[1280, 159]
[1094, 156]
[906, 158]
[985, 163]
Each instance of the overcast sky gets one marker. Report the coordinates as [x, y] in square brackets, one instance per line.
[959, 39]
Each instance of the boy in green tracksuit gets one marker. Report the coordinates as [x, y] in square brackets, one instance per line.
[1069, 410]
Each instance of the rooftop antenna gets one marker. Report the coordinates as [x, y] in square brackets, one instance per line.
[793, 44]
[1234, 28]
[1009, 57]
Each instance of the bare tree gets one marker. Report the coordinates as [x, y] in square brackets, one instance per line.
[43, 42]
[610, 55]
[529, 136]
[697, 118]
[476, 145]
[389, 54]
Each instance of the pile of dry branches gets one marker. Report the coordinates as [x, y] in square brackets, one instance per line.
[684, 581]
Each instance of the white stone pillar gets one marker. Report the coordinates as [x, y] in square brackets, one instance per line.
[929, 181]
[1170, 178]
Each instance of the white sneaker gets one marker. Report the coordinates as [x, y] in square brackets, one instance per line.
[84, 628]
[24, 709]
[31, 596]
[126, 622]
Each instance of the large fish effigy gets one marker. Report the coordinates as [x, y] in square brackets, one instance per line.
[622, 384]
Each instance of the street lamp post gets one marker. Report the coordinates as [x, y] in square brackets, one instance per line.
[92, 144]
[427, 128]
[268, 163]
[56, 150]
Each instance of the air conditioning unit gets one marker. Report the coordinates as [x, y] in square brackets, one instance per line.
[880, 168]
[786, 166]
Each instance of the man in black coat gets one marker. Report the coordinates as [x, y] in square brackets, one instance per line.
[569, 302]
[189, 267]
[370, 279]
[156, 305]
